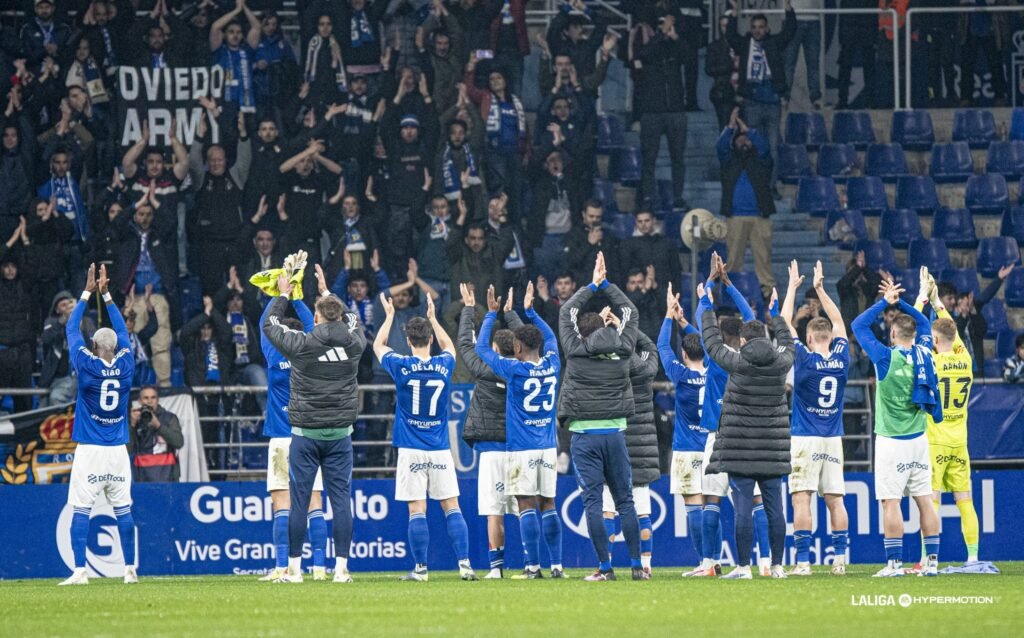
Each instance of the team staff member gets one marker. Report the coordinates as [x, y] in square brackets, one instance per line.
[323, 406]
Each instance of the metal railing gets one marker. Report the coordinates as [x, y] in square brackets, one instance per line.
[822, 50]
[908, 32]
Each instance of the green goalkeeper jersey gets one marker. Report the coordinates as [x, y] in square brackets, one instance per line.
[896, 414]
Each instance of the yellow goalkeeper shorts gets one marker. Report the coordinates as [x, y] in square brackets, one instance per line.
[951, 468]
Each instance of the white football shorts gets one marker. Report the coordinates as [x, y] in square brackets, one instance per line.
[532, 472]
[100, 468]
[277, 466]
[717, 484]
[686, 472]
[817, 465]
[641, 500]
[492, 497]
[425, 474]
[902, 467]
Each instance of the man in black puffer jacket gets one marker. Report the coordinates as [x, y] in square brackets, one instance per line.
[322, 408]
[595, 401]
[642, 445]
[753, 439]
[485, 425]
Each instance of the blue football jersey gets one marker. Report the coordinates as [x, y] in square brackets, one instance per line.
[690, 385]
[714, 390]
[104, 389]
[422, 391]
[818, 387]
[531, 396]
[279, 378]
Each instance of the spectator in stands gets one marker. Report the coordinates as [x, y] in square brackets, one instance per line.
[43, 36]
[663, 108]
[966, 312]
[351, 136]
[233, 50]
[1013, 367]
[442, 54]
[858, 34]
[939, 31]
[274, 57]
[505, 125]
[557, 192]
[747, 202]
[56, 371]
[167, 181]
[161, 50]
[215, 221]
[989, 35]
[17, 162]
[17, 329]
[351, 234]
[324, 67]
[360, 20]
[762, 82]
[585, 240]
[858, 288]
[155, 439]
[473, 258]
[548, 306]
[558, 77]
[205, 348]
[808, 38]
[514, 264]
[510, 40]
[353, 288]
[264, 178]
[432, 223]
[45, 242]
[650, 248]
[140, 333]
[244, 364]
[722, 65]
[566, 36]
[809, 311]
[458, 165]
[568, 124]
[86, 75]
[641, 288]
[106, 25]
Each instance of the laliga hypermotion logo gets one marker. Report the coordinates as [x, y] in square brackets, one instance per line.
[575, 517]
[103, 555]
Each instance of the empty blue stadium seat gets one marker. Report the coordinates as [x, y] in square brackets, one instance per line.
[994, 368]
[886, 161]
[1013, 288]
[996, 252]
[852, 127]
[877, 254]
[866, 194]
[837, 161]
[611, 134]
[807, 129]
[1013, 224]
[955, 226]
[951, 162]
[928, 252]
[1017, 124]
[1005, 343]
[1006, 158]
[917, 192]
[624, 166]
[963, 279]
[994, 313]
[900, 226]
[605, 192]
[749, 287]
[816, 195]
[622, 226]
[793, 163]
[987, 194]
[854, 221]
[977, 127]
[910, 280]
[913, 129]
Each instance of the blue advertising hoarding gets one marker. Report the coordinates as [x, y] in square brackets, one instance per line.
[224, 528]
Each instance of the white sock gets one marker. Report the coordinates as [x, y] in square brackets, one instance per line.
[555, 566]
[340, 564]
[295, 564]
[645, 560]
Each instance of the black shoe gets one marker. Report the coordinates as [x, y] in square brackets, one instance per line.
[639, 573]
[557, 573]
[680, 203]
[693, 109]
[534, 574]
[718, 569]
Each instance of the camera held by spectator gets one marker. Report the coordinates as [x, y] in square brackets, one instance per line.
[156, 438]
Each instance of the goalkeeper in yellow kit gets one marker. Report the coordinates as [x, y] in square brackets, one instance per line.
[947, 441]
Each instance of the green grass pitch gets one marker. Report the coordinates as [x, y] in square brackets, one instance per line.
[379, 605]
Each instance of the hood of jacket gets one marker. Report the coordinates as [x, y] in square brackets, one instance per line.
[334, 333]
[758, 351]
[603, 341]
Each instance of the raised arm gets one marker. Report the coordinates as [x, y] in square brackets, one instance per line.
[380, 342]
[483, 348]
[835, 316]
[877, 351]
[568, 314]
[287, 341]
[217, 28]
[725, 357]
[252, 36]
[467, 344]
[130, 160]
[443, 340]
[924, 327]
[795, 279]
[303, 313]
[180, 167]
[669, 362]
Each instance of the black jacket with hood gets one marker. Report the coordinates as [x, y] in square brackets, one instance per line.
[486, 418]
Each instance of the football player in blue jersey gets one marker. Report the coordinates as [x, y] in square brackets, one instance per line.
[101, 461]
[820, 371]
[716, 486]
[278, 429]
[688, 436]
[425, 464]
[530, 440]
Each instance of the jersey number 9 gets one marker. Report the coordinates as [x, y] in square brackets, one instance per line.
[827, 390]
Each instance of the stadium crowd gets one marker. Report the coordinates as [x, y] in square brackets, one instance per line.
[389, 142]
